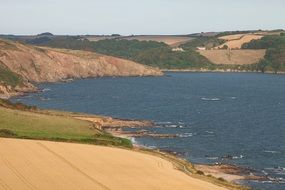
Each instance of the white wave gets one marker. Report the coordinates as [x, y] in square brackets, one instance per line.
[185, 135]
[264, 172]
[212, 158]
[271, 151]
[163, 122]
[211, 99]
[238, 157]
[133, 140]
[277, 170]
[46, 89]
[210, 132]
[233, 97]
[278, 180]
[44, 99]
[173, 126]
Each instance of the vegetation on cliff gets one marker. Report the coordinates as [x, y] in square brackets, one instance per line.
[274, 59]
[8, 77]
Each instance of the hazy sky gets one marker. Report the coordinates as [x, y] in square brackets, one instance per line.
[138, 16]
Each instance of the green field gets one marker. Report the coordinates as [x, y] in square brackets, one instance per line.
[35, 125]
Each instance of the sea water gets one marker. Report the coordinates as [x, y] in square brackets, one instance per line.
[237, 118]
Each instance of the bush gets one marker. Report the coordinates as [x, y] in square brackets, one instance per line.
[221, 179]
[7, 133]
[266, 42]
[19, 106]
[199, 172]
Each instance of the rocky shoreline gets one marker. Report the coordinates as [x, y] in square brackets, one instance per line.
[218, 71]
[229, 172]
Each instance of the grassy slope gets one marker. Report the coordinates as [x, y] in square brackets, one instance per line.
[7, 77]
[23, 122]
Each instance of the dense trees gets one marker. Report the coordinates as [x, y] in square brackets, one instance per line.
[151, 53]
[274, 59]
[206, 41]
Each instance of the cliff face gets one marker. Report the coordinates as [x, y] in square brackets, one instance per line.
[39, 64]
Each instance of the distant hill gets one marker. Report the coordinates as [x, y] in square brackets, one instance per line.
[199, 51]
[45, 34]
[21, 64]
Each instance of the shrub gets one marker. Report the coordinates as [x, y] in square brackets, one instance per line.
[7, 133]
[199, 172]
[221, 179]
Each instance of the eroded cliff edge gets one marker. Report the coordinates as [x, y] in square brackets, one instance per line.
[22, 64]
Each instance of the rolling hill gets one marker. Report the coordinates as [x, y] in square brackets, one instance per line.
[22, 64]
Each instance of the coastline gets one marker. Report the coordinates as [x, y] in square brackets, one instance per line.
[113, 126]
[8, 92]
[219, 71]
[219, 173]
[178, 162]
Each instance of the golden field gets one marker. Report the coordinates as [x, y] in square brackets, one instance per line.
[34, 164]
[237, 40]
[233, 57]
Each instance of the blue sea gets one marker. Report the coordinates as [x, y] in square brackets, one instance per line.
[240, 116]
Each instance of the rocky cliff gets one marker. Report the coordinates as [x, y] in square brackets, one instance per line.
[39, 64]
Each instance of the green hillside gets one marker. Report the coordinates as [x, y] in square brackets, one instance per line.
[151, 53]
[274, 59]
[20, 121]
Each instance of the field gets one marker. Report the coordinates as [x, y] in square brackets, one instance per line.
[53, 126]
[27, 164]
[237, 40]
[167, 39]
[233, 57]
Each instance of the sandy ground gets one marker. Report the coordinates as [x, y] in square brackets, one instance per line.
[237, 57]
[27, 164]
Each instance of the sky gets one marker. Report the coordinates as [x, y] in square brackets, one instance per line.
[128, 17]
